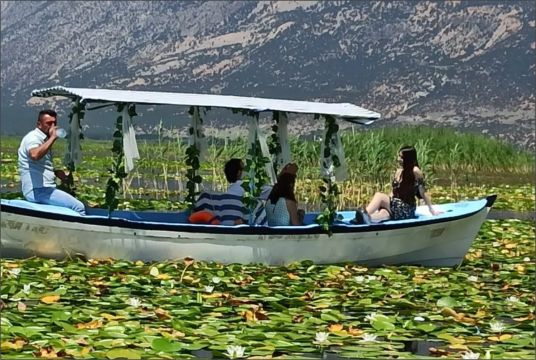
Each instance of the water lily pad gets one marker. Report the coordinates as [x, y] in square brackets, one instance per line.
[447, 301]
[123, 354]
[165, 346]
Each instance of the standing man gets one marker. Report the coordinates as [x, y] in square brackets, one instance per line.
[36, 170]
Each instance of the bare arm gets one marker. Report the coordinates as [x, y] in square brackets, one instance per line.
[38, 152]
[422, 191]
[292, 208]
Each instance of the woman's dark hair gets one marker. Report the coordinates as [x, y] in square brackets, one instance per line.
[232, 169]
[407, 184]
[284, 187]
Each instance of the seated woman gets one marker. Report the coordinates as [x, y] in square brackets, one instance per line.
[282, 207]
[408, 184]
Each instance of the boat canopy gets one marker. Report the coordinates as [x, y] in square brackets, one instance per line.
[343, 110]
[332, 160]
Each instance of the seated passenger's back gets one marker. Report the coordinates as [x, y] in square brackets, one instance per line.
[228, 208]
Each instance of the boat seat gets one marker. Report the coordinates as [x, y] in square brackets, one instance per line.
[42, 207]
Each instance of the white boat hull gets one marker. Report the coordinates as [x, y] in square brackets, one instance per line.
[435, 242]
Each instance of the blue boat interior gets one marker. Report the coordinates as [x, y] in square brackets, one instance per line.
[450, 210]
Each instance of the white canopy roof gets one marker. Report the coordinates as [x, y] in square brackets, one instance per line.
[344, 110]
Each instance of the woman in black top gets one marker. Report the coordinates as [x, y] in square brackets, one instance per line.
[408, 184]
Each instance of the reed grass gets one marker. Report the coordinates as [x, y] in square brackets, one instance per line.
[444, 154]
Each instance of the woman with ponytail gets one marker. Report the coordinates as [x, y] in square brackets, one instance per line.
[408, 184]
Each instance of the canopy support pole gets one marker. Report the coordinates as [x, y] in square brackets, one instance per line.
[332, 168]
[117, 171]
[195, 153]
[73, 150]
[279, 147]
[258, 166]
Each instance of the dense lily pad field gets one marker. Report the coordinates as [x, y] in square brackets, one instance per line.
[87, 308]
[110, 309]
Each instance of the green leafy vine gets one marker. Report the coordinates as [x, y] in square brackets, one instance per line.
[193, 161]
[329, 192]
[274, 146]
[255, 173]
[68, 185]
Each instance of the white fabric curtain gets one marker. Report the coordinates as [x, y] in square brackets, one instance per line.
[130, 146]
[255, 133]
[266, 153]
[197, 137]
[282, 133]
[73, 152]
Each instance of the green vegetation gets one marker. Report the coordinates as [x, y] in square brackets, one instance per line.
[455, 165]
[85, 308]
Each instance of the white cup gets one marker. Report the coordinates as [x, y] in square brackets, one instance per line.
[61, 132]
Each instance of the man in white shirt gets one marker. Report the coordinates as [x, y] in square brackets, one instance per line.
[36, 170]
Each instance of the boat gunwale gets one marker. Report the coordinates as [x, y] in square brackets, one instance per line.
[230, 230]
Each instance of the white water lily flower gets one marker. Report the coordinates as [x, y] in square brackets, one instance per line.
[209, 288]
[369, 338]
[321, 337]
[359, 279]
[134, 302]
[488, 354]
[470, 355]
[216, 280]
[418, 318]
[235, 351]
[371, 316]
[15, 272]
[26, 288]
[512, 299]
[473, 278]
[497, 326]
[371, 277]
[526, 259]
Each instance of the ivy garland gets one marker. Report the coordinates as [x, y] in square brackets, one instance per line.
[255, 173]
[117, 171]
[193, 153]
[274, 146]
[329, 192]
[68, 184]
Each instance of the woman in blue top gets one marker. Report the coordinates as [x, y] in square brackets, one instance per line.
[408, 184]
[282, 207]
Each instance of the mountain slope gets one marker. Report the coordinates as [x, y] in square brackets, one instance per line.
[462, 64]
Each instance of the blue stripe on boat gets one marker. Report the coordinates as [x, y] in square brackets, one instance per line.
[170, 221]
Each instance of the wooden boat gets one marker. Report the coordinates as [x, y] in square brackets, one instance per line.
[30, 229]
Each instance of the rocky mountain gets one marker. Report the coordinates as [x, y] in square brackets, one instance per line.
[465, 64]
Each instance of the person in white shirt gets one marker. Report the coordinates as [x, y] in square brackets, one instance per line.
[35, 165]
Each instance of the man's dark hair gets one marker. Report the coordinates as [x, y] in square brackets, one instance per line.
[48, 112]
[232, 169]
